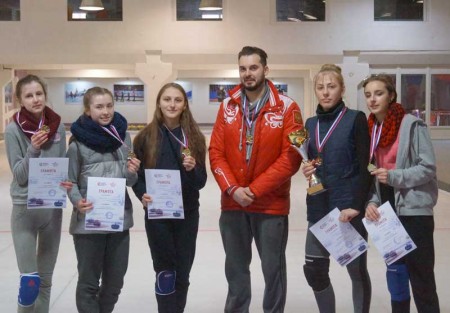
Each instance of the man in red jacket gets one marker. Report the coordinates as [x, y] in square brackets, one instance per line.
[253, 162]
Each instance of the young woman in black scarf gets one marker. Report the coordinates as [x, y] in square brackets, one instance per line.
[100, 147]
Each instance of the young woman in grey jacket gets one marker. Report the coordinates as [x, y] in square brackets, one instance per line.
[36, 132]
[99, 147]
[405, 171]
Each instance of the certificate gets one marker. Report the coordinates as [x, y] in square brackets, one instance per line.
[340, 239]
[44, 178]
[164, 186]
[108, 199]
[389, 235]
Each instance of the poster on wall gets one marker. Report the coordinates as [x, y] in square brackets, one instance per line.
[8, 97]
[8, 93]
[8, 100]
[128, 94]
[282, 89]
[187, 86]
[218, 92]
[74, 91]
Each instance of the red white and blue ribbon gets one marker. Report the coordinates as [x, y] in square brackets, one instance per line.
[114, 133]
[183, 143]
[320, 144]
[375, 139]
[41, 122]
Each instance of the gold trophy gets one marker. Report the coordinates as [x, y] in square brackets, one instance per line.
[299, 140]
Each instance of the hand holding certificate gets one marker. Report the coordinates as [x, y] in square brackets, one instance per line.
[107, 196]
[44, 183]
[164, 187]
[340, 239]
[389, 235]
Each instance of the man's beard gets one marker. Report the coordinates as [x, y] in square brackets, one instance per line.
[256, 86]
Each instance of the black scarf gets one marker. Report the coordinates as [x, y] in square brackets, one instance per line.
[91, 134]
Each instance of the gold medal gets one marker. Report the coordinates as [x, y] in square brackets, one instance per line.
[371, 167]
[249, 139]
[185, 152]
[44, 129]
[318, 160]
[131, 155]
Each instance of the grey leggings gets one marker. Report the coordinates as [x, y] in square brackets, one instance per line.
[357, 270]
[36, 235]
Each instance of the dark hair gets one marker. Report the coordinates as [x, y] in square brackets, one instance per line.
[248, 50]
[28, 80]
[331, 69]
[147, 142]
[386, 80]
[94, 91]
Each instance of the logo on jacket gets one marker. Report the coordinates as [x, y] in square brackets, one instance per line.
[229, 112]
[275, 120]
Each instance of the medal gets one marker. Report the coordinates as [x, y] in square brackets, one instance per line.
[249, 139]
[44, 129]
[371, 167]
[131, 155]
[318, 160]
[185, 152]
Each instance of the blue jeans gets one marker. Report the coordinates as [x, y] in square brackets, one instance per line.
[102, 256]
[238, 229]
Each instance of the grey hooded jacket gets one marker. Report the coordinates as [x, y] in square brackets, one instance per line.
[414, 178]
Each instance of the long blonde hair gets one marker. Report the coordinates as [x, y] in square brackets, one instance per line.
[147, 141]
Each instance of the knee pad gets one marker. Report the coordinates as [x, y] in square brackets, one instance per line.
[165, 282]
[29, 289]
[398, 282]
[316, 273]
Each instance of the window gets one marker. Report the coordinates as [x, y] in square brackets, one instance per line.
[440, 100]
[300, 10]
[112, 11]
[413, 94]
[398, 10]
[9, 10]
[199, 10]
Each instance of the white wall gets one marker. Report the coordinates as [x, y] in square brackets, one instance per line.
[44, 39]
[45, 36]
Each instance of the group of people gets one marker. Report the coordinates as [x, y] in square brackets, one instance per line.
[252, 161]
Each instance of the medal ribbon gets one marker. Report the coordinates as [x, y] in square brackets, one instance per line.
[246, 109]
[375, 139]
[321, 144]
[41, 122]
[114, 133]
[183, 143]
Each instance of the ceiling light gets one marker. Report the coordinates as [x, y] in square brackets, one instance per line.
[92, 5]
[210, 5]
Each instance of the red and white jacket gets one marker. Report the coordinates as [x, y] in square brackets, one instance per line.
[273, 161]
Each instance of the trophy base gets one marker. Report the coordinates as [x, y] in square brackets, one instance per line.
[315, 190]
